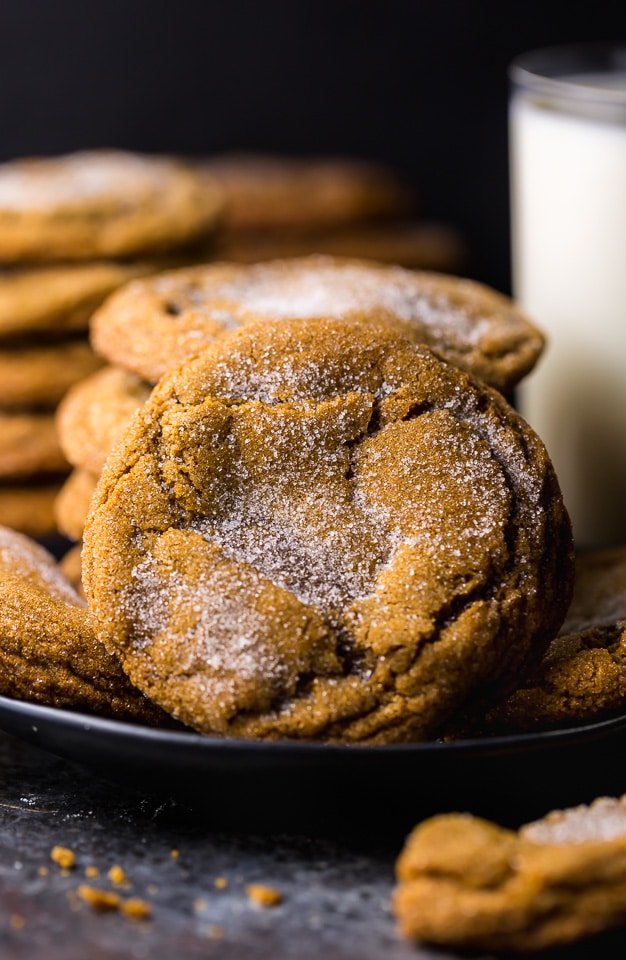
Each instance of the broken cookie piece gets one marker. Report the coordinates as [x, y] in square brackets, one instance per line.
[467, 883]
[48, 651]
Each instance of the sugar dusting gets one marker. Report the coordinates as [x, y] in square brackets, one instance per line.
[223, 634]
[270, 379]
[307, 528]
[603, 820]
[318, 557]
[26, 559]
[322, 287]
[79, 178]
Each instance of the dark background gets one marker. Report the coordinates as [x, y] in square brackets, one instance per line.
[420, 84]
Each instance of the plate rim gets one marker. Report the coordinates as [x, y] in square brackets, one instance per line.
[502, 743]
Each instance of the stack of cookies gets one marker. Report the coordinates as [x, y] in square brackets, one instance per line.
[72, 230]
[286, 206]
[152, 324]
[316, 526]
[270, 333]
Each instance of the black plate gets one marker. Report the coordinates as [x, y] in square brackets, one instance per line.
[512, 778]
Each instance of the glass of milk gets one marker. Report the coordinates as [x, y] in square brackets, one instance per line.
[567, 127]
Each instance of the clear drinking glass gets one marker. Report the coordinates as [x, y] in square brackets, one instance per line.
[567, 127]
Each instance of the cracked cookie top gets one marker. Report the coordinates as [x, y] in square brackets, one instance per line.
[152, 324]
[318, 529]
[101, 203]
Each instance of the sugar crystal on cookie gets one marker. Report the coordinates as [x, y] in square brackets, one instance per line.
[318, 529]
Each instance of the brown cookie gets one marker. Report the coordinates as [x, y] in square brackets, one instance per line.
[415, 244]
[95, 412]
[72, 503]
[59, 300]
[600, 591]
[71, 565]
[467, 883]
[99, 204]
[22, 557]
[29, 446]
[150, 325]
[39, 376]
[299, 194]
[582, 676]
[29, 507]
[317, 529]
[48, 652]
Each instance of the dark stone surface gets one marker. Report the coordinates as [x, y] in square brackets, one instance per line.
[336, 895]
[336, 888]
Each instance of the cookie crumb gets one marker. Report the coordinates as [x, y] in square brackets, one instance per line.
[174, 854]
[215, 932]
[16, 921]
[220, 883]
[263, 895]
[136, 908]
[152, 889]
[98, 899]
[104, 900]
[117, 876]
[63, 856]
[92, 872]
[43, 871]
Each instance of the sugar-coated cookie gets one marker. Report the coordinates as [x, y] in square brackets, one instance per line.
[421, 245]
[299, 194]
[468, 883]
[582, 676]
[58, 300]
[29, 446]
[48, 651]
[71, 506]
[318, 529]
[101, 203]
[151, 324]
[28, 506]
[39, 375]
[95, 412]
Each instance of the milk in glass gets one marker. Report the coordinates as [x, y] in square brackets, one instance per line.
[568, 206]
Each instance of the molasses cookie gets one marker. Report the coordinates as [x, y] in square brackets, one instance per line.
[468, 883]
[415, 244]
[29, 446]
[299, 194]
[150, 325]
[101, 204]
[318, 529]
[582, 676]
[94, 413]
[71, 565]
[48, 652]
[29, 507]
[38, 376]
[22, 557]
[58, 300]
[72, 503]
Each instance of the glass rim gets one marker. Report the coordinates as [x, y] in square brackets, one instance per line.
[548, 70]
